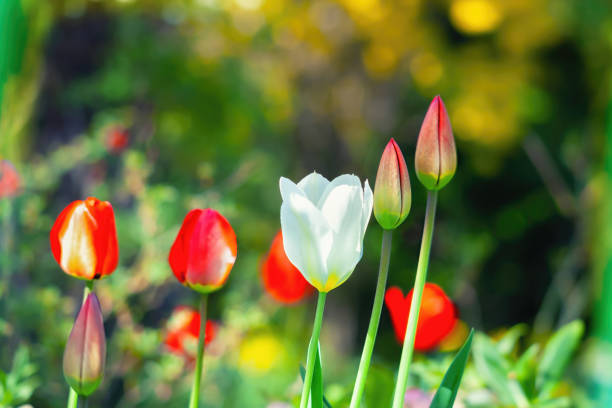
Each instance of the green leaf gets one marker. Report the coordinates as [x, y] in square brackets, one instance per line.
[446, 393]
[318, 400]
[379, 387]
[508, 341]
[525, 369]
[556, 356]
[563, 402]
[493, 368]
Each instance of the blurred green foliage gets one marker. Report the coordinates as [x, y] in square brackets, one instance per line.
[218, 99]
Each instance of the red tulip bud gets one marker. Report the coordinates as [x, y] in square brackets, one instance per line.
[436, 156]
[84, 239]
[392, 196]
[204, 251]
[85, 351]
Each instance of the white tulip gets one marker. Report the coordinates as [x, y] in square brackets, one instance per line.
[323, 225]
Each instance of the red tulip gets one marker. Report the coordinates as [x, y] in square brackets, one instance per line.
[84, 239]
[437, 316]
[183, 331]
[85, 351]
[435, 159]
[204, 251]
[280, 278]
[116, 139]
[10, 182]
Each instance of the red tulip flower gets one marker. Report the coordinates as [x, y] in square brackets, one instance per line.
[204, 251]
[437, 316]
[84, 239]
[116, 139]
[10, 182]
[183, 331]
[280, 278]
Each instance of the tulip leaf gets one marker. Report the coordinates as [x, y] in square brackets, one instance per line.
[493, 367]
[508, 342]
[525, 369]
[446, 393]
[556, 356]
[318, 400]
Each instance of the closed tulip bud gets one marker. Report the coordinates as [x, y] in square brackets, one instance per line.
[436, 156]
[392, 197]
[84, 239]
[204, 251]
[85, 351]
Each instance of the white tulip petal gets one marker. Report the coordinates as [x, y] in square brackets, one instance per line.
[368, 199]
[288, 187]
[345, 179]
[343, 210]
[313, 185]
[307, 237]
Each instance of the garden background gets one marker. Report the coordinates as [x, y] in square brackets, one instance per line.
[160, 106]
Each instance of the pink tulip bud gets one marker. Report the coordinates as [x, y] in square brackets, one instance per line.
[85, 351]
[436, 156]
[392, 196]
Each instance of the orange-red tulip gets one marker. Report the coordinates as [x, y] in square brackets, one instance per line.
[435, 159]
[10, 182]
[204, 251]
[183, 331]
[84, 239]
[280, 278]
[437, 316]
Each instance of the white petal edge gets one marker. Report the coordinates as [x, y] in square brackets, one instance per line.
[368, 200]
[313, 185]
[307, 237]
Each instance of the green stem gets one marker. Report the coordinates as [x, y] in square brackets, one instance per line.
[366, 355]
[415, 305]
[197, 377]
[312, 349]
[73, 397]
[84, 402]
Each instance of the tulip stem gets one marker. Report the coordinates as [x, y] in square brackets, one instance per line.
[73, 397]
[366, 355]
[415, 304]
[197, 377]
[313, 346]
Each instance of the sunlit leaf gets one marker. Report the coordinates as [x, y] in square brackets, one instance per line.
[556, 356]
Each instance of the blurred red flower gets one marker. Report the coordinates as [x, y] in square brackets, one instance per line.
[117, 139]
[183, 331]
[10, 182]
[281, 279]
[437, 316]
[204, 251]
[84, 239]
